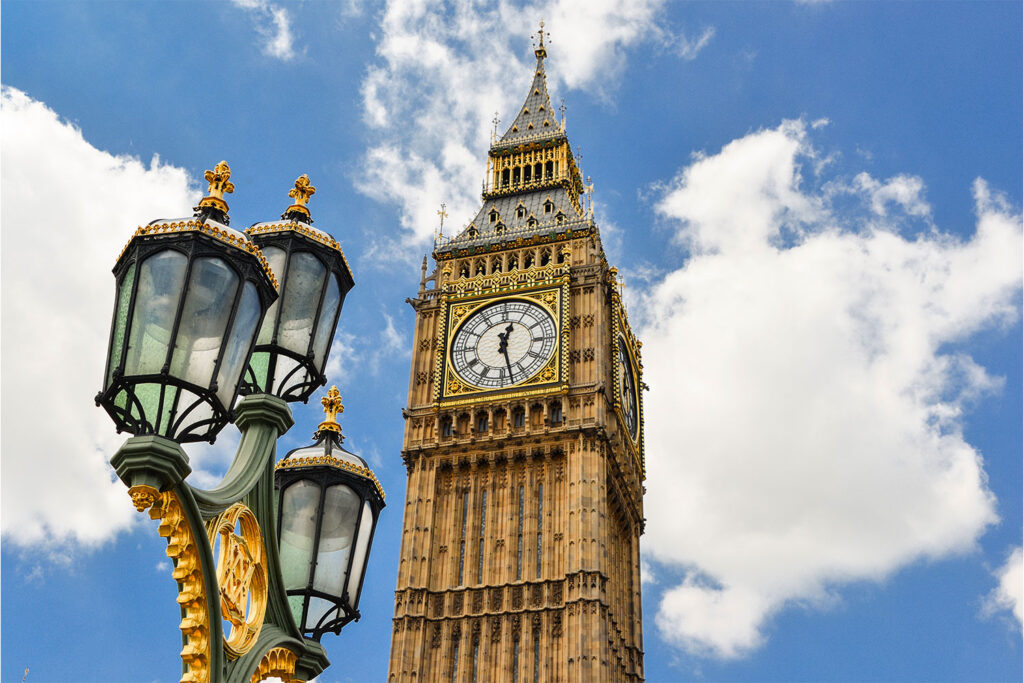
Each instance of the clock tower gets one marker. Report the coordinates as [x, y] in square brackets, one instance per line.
[523, 439]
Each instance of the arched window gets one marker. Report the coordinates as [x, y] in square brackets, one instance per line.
[447, 428]
[549, 206]
[555, 413]
[481, 423]
[515, 175]
[527, 171]
[499, 229]
[528, 261]
[549, 169]
[504, 178]
[559, 217]
[472, 232]
[518, 418]
[531, 222]
[520, 211]
[537, 170]
[480, 267]
[513, 262]
[496, 264]
[545, 257]
[493, 215]
[464, 270]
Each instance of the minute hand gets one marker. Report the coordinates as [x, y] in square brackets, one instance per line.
[503, 347]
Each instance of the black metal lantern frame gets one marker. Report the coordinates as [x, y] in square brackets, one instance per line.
[147, 388]
[316, 465]
[290, 363]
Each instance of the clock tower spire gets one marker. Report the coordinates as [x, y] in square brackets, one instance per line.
[523, 437]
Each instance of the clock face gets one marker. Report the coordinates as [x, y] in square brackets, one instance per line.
[627, 389]
[503, 343]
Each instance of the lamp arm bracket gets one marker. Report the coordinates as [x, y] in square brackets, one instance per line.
[262, 419]
[277, 653]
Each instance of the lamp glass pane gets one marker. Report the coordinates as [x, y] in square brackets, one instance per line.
[302, 290]
[238, 344]
[276, 258]
[318, 607]
[204, 320]
[361, 551]
[325, 326]
[341, 510]
[124, 295]
[161, 279]
[299, 508]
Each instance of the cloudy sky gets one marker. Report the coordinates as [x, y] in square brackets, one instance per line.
[817, 210]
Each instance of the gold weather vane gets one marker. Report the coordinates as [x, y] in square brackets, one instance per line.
[561, 110]
[589, 190]
[443, 214]
[494, 133]
[540, 51]
[332, 408]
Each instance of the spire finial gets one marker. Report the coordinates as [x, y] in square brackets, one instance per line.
[332, 408]
[301, 194]
[495, 121]
[220, 183]
[443, 214]
[540, 51]
[561, 110]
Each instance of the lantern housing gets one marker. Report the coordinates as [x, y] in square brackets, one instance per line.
[190, 295]
[328, 504]
[294, 341]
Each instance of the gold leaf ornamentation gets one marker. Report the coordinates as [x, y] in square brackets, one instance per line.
[279, 662]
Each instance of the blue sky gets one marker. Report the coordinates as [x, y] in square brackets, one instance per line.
[816, 208]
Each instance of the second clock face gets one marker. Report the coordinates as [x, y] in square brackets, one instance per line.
[503, 343]
[627, 389]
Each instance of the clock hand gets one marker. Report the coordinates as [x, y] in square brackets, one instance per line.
[503, 347]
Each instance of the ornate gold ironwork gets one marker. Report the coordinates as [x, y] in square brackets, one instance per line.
[181, 548]
[302, 190]
[241, 576]
[317, 460]
[220, 183]
[226, 236]
[279, 662]
[302, 229]
[332, 408]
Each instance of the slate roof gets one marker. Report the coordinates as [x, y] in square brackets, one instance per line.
[536, 119]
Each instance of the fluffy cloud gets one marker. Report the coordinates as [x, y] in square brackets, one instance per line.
[68, 210]
[1007, 595]
[807, 386]
[274, 26]
[437, 86]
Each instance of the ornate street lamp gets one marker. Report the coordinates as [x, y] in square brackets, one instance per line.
[293, 343]
[190, 295]
[329, 501]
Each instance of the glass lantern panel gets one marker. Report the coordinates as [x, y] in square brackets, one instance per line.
[285, 373]
[302, 291]
[318, 607]
[295, 602]
[325, 326]
[238, 344]
[362, 549]
[299, 507]
[204, 320]
[276, 258]
[161, 279]
[124, 295]
[341, 511]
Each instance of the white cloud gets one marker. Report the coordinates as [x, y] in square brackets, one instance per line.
[274, 26]
[804, 419]
[689, 49]
[68, 210]
[1007, 595]
[903, 190]
[436, 87]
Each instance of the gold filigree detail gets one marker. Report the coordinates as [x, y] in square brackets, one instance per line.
[279, 662]
[319, 460]
[181, 548]
[241, 576]
[191, 225]
[302, 229]
[332, 408]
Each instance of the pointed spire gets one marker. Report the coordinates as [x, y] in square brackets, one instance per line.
[536, 119]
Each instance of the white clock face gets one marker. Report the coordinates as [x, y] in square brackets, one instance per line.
[504, 343]
[627, 389]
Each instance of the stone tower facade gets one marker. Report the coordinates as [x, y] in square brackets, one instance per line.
[523, 437]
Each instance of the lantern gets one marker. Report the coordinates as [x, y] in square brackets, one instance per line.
[295, 338]
[328, 504]
[191, 293]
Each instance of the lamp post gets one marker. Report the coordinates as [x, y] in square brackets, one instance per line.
[194, 298]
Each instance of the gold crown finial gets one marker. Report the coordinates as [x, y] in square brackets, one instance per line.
[302, 190]
[220, 181]
[332, 408]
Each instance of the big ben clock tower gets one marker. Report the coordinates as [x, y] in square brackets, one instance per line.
[523, 438]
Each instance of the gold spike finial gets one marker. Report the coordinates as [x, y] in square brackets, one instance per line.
[332, 408]
[540, 51]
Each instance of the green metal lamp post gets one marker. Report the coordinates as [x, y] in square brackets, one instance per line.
[194, 299]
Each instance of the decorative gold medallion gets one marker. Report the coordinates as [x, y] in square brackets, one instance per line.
[241, 576]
